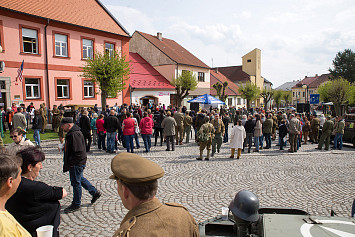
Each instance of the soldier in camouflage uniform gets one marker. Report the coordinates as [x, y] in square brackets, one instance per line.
[207, 129]
[219, 133]
[315, 124]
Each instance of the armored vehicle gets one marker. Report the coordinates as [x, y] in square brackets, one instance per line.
[246, 219]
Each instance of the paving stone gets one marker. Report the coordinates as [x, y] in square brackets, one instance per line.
[312, 180]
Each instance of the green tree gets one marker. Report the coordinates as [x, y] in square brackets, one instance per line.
[184, 83]
[337, 91]
[287, 97]
[221, 90]
[249, 92]
[277, 98]
[267, 94]
[109, 71]
[344, 65]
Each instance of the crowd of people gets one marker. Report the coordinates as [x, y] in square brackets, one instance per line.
[24, 202]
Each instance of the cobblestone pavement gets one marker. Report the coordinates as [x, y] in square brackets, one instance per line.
[312, 180]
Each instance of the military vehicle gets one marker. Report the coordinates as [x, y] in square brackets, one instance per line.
[246, 219]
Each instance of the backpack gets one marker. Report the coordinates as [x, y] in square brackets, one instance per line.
[202, 137]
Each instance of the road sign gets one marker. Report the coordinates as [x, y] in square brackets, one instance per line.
[314, 99]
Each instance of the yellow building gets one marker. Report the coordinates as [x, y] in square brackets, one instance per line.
[249, 71]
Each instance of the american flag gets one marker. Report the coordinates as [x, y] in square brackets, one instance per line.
[19, 72]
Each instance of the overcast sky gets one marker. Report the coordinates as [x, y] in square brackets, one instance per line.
[296, 37]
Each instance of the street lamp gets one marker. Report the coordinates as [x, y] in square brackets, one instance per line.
[305, 87]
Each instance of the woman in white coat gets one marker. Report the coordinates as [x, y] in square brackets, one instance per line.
[238, 135]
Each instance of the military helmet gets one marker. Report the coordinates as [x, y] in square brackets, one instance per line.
[245, 205]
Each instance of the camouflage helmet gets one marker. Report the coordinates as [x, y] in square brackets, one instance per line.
[245, 205]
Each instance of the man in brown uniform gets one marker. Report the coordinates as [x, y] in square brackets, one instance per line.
[219, 133]
[179, 129]
[43, 113]
[315, 124]
[137, 186]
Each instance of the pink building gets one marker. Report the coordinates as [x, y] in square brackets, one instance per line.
[54, 38]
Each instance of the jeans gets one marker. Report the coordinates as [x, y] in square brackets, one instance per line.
[37, 136]
[129, 142]
[137, 140]
[268, 139]
[249, 140]
[261, 141]
[101, 141]
[256, 141]
[147, 141]
[225, 137]
[170, 139]
[77, 180]
[111, 137]
[338, 138]
[88, 140]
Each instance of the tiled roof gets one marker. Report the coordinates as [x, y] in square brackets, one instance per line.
[144, 76]
[234, 73]
[321, 79]
[174, 51]
[87, 13]
[287, 86]
[232, 89]
[306, 81]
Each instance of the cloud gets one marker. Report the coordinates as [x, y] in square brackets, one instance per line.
[132, 19]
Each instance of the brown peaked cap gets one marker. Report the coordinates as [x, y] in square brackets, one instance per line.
[132, 168]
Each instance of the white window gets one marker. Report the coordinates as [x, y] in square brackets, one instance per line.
[230, 101]
[32, 88]
[109, 48]
[88, 89]
[61, 45]
[87, 48]
[30, 41]
[62, 88]
[239, 101]
[201, 76]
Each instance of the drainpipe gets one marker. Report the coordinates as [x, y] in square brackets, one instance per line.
[46, 63]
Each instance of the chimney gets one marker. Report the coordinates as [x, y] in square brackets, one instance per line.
[316, 75]
[217, 69]
[160, 36]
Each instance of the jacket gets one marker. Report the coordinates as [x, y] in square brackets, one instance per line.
[238, 135]
[146, 126]
[13, 148]
[294, 126]
[19, 120]
[169, 125]
[37, 122]
[85, 124]
[93, 124]
[187, 121]
[218, 126]
[158, 119]
[282, 130]
[100, 125]
[179, 118]
[111, 123]
[153, 218]
[267, 126]
[249, 126]
[339, 127]
[258, 129]
[328, 127]
[74, 149]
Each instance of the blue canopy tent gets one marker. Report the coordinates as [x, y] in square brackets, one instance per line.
[206, 99]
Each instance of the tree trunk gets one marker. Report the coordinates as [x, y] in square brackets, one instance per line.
[103, 100]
